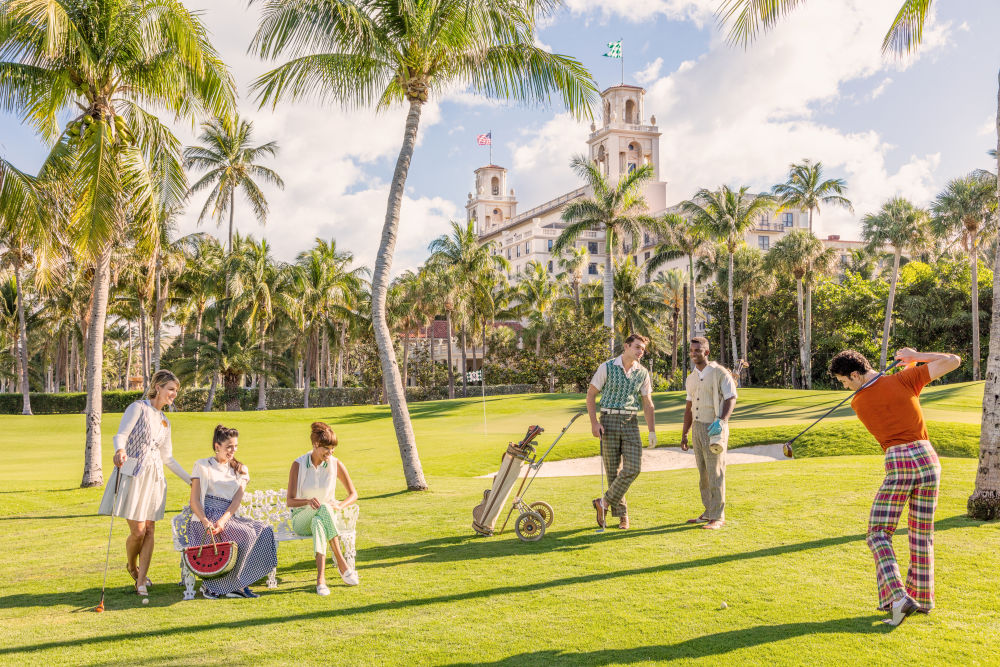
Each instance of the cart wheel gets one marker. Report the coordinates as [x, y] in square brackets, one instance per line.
[530, 527]
[545, 510]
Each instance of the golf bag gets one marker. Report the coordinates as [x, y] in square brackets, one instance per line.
[484, 515]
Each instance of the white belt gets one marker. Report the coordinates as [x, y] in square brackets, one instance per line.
[618, 412]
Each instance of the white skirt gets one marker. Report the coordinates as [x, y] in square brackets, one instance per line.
[140, 498]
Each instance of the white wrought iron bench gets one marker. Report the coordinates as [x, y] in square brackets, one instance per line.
[269, 506]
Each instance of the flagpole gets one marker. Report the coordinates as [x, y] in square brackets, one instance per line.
[491, 146]
[623, 62]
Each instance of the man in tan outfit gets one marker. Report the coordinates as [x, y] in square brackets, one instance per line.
[711, 397]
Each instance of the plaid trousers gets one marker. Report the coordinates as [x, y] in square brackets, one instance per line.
[912, 475]
[621, 444]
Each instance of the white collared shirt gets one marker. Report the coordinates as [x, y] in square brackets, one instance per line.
[601, 376]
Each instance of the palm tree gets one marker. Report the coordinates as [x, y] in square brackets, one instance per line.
[805, 189]
[903, 226]
[683, 238]
[802, 256]
[751, 280]
[364, 53]
[617, 210]
[228, 155]
[101, 62]
[670, 286]
[965, 209]
[24, 233]
[572, 262]
[637, 305]
[196, 282]
[726, 215]
[537, 293]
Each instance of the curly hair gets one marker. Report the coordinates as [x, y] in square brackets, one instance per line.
[849, 361]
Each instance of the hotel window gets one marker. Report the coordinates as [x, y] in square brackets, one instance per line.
[527, 247]
[508, 253]
[550, 265]
[592, 247]
[550, 245]
[788, 219]
[645, 239]
[519, 250]
[764, 242]
[645, 257]
[592, 269]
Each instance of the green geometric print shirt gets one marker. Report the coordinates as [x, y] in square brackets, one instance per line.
[620, 391]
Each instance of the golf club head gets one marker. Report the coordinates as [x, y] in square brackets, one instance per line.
[786, 449]
[599, 530]
[100, 606]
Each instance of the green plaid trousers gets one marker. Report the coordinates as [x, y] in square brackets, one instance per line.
[621, 444]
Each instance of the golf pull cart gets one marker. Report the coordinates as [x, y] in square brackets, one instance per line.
[532, 519]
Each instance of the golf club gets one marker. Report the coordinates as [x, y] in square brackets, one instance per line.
[600, 529]
[114, 506]
[787, 447]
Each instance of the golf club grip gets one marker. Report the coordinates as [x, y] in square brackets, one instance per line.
[894, 363]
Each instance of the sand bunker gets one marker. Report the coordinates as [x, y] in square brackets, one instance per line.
[661, 458]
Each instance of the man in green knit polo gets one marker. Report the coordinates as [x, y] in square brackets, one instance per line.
[624, 386]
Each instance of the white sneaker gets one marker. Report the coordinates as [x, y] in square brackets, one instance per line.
[322, 589]
[900, 609]
[350, 577]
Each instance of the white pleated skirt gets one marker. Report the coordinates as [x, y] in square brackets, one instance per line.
[140, 498]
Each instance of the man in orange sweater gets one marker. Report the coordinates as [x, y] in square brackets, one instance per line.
[889, 408]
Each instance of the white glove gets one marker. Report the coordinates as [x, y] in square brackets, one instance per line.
[652, 440]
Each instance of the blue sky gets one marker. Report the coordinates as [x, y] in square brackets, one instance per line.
[817, 87]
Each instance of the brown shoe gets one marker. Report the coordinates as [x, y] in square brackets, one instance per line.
[602, 508]
[624, 524]
[714, 524]
[700, 519]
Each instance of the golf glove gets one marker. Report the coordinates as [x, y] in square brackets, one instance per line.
[715, 428]
[652, 439]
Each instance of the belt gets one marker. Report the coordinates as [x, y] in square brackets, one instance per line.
[619, 412]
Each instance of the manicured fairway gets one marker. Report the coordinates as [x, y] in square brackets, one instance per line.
[791, 563]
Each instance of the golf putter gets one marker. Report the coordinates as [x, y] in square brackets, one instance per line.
[601, 444]
[114, 506]
[786, 449]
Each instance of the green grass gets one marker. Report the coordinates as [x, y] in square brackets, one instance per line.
[791, 563]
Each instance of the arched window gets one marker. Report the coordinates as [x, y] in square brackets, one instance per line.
[496, 185]
[496, 211]
[607, 113]
[630, 113]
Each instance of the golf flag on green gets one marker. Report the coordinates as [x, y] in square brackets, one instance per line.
[614, 50]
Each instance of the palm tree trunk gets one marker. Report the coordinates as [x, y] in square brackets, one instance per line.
[406, 357]
[128, 364]
[327, 366]
[92, 473]
[73, 369]
[232, 208]
[732, 315]
[215, 376]
[197, 349]
[395, 395]
[465, 364]
[888, 308]
[693, 298]
[974, 268]
[262, 385]
[744, 316]
[687, 331]
[308, 381]
[809, 336]
[677, 348]
[340, 354]
[161, 302]
[802, 329]
[143, 348]
[984, 503]
[430, 337]
[608, 288]
[451, 374]
[22, 346]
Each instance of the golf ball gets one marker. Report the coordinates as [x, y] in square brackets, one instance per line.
[723, 606]
[146, 601]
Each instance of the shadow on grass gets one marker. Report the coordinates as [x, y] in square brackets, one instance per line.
[719, 643]
[464, 549]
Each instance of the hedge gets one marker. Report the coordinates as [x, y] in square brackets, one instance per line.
[279, 398]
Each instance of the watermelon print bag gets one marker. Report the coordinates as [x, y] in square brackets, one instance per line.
[211, 561]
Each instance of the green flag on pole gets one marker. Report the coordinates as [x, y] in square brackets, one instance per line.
[614, 50]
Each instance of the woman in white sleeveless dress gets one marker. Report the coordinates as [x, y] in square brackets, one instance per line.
[142, 447]
[312, 482]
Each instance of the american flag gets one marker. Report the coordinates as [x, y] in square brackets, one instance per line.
[485, 139]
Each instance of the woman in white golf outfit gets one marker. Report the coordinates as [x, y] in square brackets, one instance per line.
[312, 482]
[142, 447]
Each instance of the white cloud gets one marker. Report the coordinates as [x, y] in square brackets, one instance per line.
[989, 127]
[541, 158]
[650, 73]
[740, 117]
[879, 89]
[701, 12]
